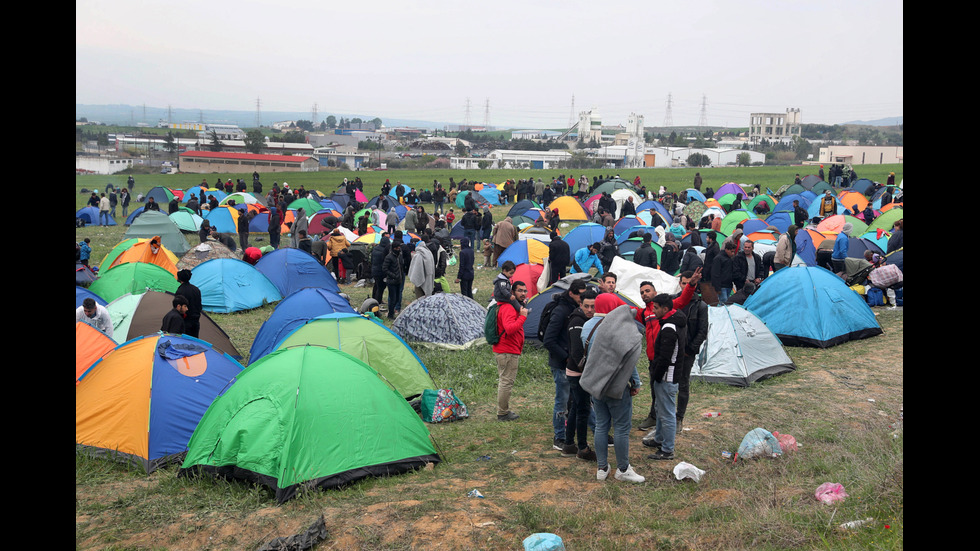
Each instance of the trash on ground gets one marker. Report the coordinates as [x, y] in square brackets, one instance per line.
[543, 541]
[759, 442]
[787, 442]
[856, 523]
[474, 493]
[830, 492]
[685, 470]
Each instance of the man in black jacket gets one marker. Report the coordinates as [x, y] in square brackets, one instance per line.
[192, 295]
[559, 257]
[173, 322]
[664, 374]
[697, 331]
[580, 403]
[394, 274]
[378, 255]
[747, 267]
[556, 342]
[645, 255]
[722, 273]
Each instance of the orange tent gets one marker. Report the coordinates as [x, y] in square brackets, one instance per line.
[90, 345]
[851, 198]
[143, 251]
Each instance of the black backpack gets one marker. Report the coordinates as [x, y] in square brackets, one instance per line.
[546, 316]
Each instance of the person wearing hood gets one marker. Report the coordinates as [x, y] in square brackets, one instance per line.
[587, 258]
[378, 255]
[394, 275]
[486, 224]
[465, 275]
[422, 271]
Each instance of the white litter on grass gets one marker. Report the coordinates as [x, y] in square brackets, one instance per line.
[685, 470]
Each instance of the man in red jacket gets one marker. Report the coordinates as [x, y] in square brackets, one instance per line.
[651, 322]
[507, 351]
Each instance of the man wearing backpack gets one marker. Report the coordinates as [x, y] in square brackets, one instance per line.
[507, 350]
[555, 340]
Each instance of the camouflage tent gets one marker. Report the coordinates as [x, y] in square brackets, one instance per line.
[442, 320]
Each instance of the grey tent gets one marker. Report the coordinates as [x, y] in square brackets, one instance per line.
[739, 350]
[153, 223]
[442, 320]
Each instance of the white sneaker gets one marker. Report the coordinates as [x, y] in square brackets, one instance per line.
[601, 474]
[629, 476]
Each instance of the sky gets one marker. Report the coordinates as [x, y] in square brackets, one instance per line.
[717, 60]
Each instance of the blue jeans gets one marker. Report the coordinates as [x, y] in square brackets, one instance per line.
[471, 235]
[619, 415]
[666, 429]
[723, 295]
[394, 298]
[104, 215]
[561, 402]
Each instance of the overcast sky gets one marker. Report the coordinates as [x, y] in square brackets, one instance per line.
[836, 60]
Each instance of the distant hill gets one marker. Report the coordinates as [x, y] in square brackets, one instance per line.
[889, 121]
[133, 115]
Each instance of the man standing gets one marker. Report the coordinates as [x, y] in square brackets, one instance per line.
[394, 277]
[579, 403]
[559, 258]
[104, 208]
[828, 205]
[94, 314]
[747, 267]
[651, 325]
[173, 322]
[668, 357]
[645, 255]
[504, 235]
[841, 244]
[465, 275]
[722, 272]
[556, 343]
[192, 295]
[697, 331]
[507, 351]
[612, 347]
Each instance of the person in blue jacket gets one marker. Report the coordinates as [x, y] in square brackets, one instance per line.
[840, 248]
[586, 258]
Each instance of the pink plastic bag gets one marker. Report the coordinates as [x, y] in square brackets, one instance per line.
[830, 492]
[786, 442]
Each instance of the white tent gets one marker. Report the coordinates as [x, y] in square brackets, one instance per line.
[739, 349]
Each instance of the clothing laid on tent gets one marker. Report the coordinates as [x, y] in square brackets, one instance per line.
[369, 340]
[442, 320]
[141, 402]
[204, 252]
[739, 349]
[308, 417]
[812, 306]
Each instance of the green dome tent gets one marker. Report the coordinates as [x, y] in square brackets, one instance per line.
[368, 340]
[308, 417]
[156, 223]
[135, 278]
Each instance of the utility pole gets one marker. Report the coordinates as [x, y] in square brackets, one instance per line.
[258, 112]
[466, 117]
[486, 116]
[571, 113]
[669, 117]
[314, 116]
[703, 120]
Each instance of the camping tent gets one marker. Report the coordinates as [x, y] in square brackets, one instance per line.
[134, 316]
[133, 277]
[90, 345]
[156, 223]
[141, 402]
[308, 417]
[570, 209]
[812, 306]
[140, 250]
[90, 215]
[204, 252]
[230, 285]
[527, 251]
[292, 312]
[442, 320]
[584, 235]
[369, 340]
[81, 293]
[739, 349]
[292, 269]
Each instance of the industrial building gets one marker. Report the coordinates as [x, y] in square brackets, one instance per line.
[775, 127]
[862, 155]
[207, 162]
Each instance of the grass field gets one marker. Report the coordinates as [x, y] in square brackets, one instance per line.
[842, 404]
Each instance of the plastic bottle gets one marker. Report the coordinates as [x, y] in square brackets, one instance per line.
[712, 414]
[856, 523]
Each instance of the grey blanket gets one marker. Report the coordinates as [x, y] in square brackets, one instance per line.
[615, 348]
